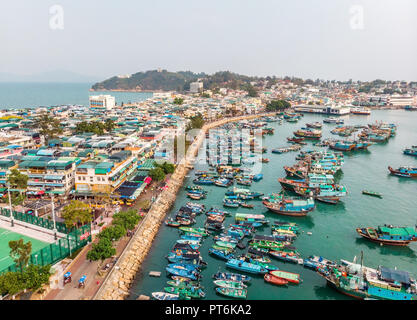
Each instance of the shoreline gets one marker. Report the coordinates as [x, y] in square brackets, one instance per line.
[118, 282]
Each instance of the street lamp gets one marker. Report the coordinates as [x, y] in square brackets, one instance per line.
[10, 204]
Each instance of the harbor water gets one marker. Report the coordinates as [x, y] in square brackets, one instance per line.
[32, 95]
[332, 227]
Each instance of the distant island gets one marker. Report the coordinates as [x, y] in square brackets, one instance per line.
[163, 80]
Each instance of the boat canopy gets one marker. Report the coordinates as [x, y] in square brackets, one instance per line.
[393, 275]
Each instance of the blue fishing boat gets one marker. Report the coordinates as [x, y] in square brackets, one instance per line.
[245, 266]
[184, 266]
[203, 181]
[411, 151]
[258, 177]
[231, 203]
[192, 275]
[222, 254]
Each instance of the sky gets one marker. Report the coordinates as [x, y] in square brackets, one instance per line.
[326, 39]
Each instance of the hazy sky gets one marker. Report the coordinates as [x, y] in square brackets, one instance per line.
[306, 38]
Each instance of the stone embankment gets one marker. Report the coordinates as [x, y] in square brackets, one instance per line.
[117, 283]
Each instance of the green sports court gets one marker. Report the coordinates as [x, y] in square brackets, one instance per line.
[5, 237]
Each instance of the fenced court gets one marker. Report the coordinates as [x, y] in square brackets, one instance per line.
[5, 237]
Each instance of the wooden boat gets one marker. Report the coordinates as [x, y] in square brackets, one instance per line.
[405, 172]
[247, 205]
[233, 293]
[230, 284]
[294, 208]
[172, 223]
[289, 276]
[196, 196]
[389, 235]
[265, 160]
[225, 244]
[286, 256]
[372, 193]
[275, 280]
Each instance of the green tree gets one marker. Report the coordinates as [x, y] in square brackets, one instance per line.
[101, 250]
[178, 101]
[49, 127]
[35, 276]
[166, 166]
[18, 180]
[20, 252]
[276, 105]
[11, 283]
[113, 233]
[127, 219]
[157, 174]
[76, 212]
[196, 122]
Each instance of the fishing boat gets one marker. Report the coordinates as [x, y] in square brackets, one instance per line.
[290, 207]
[275, 280]
[334, 120]
[168, 296]
[192, 292]
[404, 171]
[191, 274]
[252, 218]
[223, 182]
[314, 125]
[203, 181]
[196, 196]
[233, 293]
[372, 193]
[289, 276]
[183, 283]
[411, 151]
[265, 160]
[229, 284]
[201, 231]
[222, 254]
[273, 245]
[245, 266]
[286, 256]
[231, 203]
[172, 223]
[360, 282]
[232, 277]
[308, 134]
[247, 205]
[224, 244]
[257, 177]
[315, 262]
[389, 235]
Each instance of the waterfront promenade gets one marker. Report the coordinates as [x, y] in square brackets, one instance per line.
[120, 278]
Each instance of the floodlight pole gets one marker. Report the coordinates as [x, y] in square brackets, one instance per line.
[53, 214]
[10, 205]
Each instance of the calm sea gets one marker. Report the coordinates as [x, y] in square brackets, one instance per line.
[31, 95]
[332, 227]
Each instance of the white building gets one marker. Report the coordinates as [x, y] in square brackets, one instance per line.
[102, 102]
[196, 87]
[398, 100]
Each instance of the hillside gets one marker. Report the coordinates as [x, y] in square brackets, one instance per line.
[179, 81]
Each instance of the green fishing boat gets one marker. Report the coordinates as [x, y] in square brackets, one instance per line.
[266, 244]
[225, 244]
[225, 249]
[372, 193]
[230, 284]
[201, 231]
[183, 284]
[192, 292]
[233, 293]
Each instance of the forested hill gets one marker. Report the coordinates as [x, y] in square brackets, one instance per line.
[155, 80]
